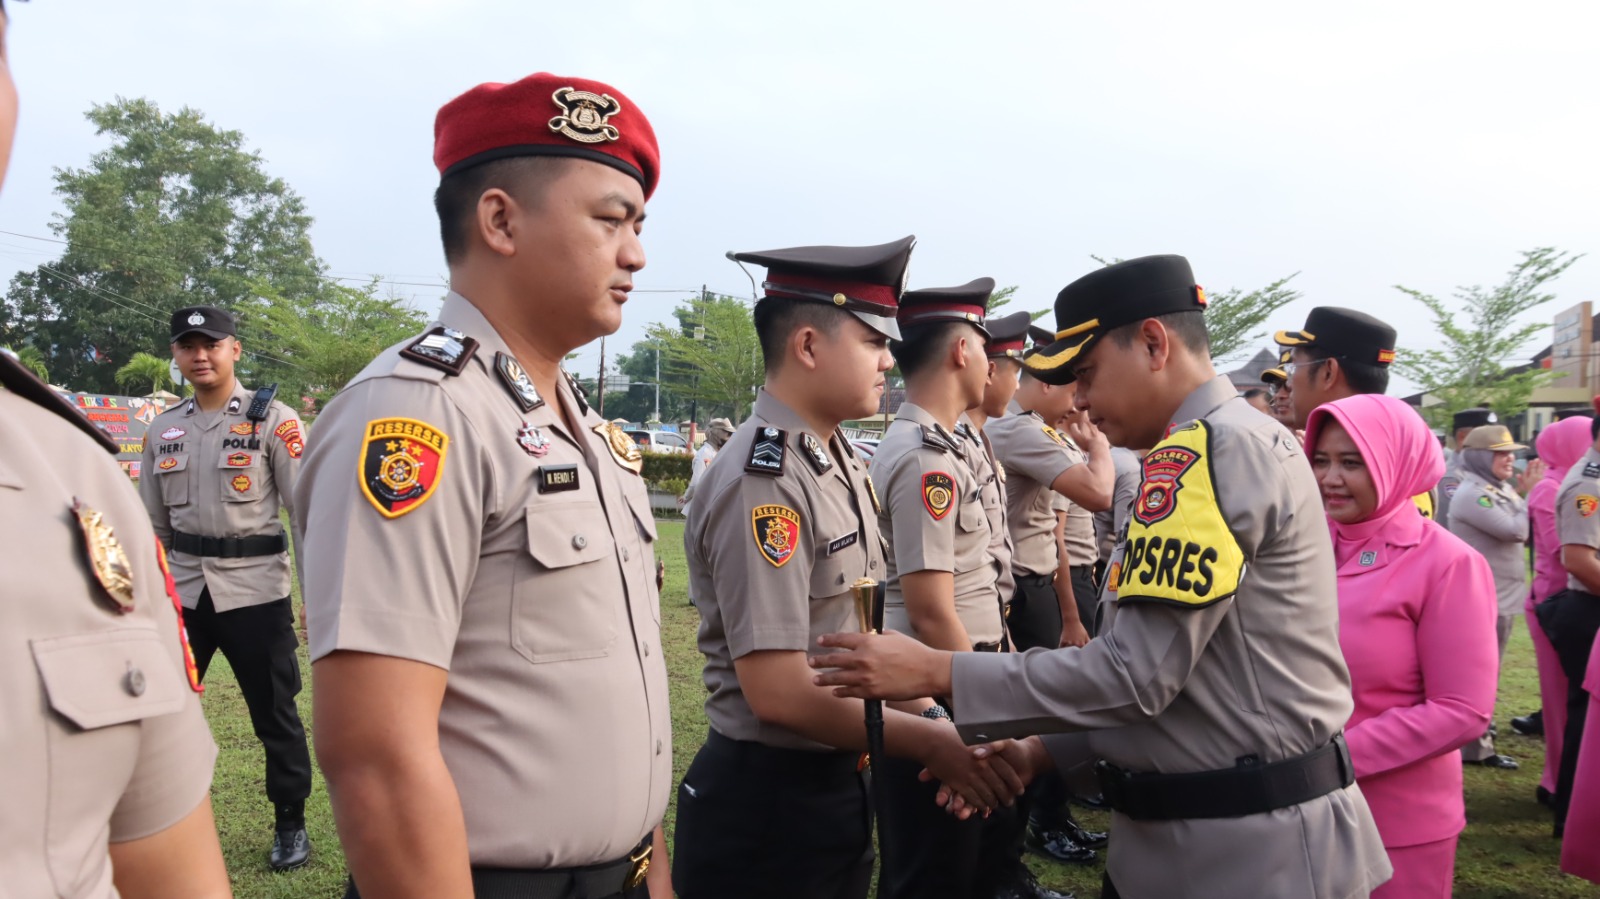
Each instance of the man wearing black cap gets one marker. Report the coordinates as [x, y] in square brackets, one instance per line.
[1216, 690]
[942, 580]
[774, 804]
[217, 468]
[1461, 424]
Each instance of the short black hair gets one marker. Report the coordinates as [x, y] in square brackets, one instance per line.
[1254, 392]
[1188, 326]
[777, 318]
[456, 199]
[920, 345]
[1363, 377]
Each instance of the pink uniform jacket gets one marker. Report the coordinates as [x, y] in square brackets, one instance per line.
[1417, 625]
[1560, 447]
[1580, 848]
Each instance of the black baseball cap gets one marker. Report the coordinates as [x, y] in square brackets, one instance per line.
[1344, 334]
[1108, 298]
[208, 320]
[1475, 417]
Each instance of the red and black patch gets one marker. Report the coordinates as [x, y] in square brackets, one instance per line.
[1158, 493]
[777, 533]
[402, 462]
[938, 494]
[243, 429]
[289, 433]
[240, 460]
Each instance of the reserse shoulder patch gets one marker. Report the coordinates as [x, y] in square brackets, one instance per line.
[1179, 549]
[777, 532]
[402, 462]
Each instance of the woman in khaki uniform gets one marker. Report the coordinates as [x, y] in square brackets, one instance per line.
[108, 759]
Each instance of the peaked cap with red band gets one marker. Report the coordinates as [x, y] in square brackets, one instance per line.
[968, 303]
[867, 282]
[1108, 298]
[546, 115]
[1008, 336]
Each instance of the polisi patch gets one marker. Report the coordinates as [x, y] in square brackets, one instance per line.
[766, 452]
[168, 463]
[777, 533]
[938, 494]
[289, 433]
[402, 463]
[1158, 494]
[244, 427]
[1587, 504]
[240, 460]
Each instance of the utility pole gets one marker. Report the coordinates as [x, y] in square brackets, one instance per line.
[658, 383]
[600, 380]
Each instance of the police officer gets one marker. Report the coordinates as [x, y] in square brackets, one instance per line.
[774, 803]
[1339, 353]
[1007, 341]
[1571, 618]
[484, 619]
[1277, 381]
[1493, 519]
[1217, 691]
[217, 468]
[942, 579]
[1461, 424]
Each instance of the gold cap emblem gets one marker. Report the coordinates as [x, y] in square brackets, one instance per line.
[584, 115]
[107, 559]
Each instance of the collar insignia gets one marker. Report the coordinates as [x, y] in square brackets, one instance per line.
[517, 381]
[818, 455]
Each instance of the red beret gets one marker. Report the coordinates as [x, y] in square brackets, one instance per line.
[546, 115]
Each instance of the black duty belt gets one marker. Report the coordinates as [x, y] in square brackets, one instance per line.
[589, 882]
[986, 647]
[1248, 789]
[229, 547]
[1035, 580]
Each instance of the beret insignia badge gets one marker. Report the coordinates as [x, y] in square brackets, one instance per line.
[584, 115]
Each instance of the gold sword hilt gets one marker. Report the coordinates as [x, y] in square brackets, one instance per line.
[865, 591]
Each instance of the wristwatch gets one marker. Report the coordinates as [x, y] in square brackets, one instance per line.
[936, 712]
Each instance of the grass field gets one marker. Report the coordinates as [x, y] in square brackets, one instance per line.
[1506, 850]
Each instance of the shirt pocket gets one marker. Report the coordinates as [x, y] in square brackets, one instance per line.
[100, 687]
[241, 474]
[972, 537]
[834, 574]
[566, 607]
[172, 473]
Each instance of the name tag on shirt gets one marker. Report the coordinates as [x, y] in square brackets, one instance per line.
[556, 478]
[841, 542]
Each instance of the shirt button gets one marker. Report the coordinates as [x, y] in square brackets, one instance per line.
[134, 682]
[658, 747]
[646, 648]
[872, 564]
[624, 554]
[579, 542]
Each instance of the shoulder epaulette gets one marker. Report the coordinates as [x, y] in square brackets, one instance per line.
[443, 348]
[767, 451]
[938, 438]
[1591, 470]
[19, 380]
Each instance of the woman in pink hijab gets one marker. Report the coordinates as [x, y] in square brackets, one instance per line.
[1580, 847]
[1560, 446]
[1417, 616]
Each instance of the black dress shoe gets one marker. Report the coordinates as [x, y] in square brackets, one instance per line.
[1504, 762]
[1529, 725]
[1544, 797]
[1096, 802]
[1026, 886]
[1059, 845]
[1089, 839]
[290, 849]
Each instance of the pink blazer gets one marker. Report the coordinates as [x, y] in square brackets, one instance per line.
[1549, 577]
[1416, 624]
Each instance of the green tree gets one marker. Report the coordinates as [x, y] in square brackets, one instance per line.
[1234, 316]
[320, 340]
[33, 361]
[145, 370]
[176, 211]
[1469, 369]
[711, 355]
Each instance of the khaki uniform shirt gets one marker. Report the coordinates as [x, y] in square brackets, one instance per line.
[1445, 493]
[783, 526]
[1578, 508]
[1033, 455]
[1108, 523]
[1078, 535]
[1224, 643]
[218, 474]
[1493, 519]
[991, 477]
[933, 519]
[446, 525]
[100, 726]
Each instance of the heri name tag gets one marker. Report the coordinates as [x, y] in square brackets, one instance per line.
[556, 478]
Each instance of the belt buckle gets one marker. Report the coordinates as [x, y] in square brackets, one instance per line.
[641, 866]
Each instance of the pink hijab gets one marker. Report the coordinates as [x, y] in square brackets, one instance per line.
[1561, 445]
[1403, 457]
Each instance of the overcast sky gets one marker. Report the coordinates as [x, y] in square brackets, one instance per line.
[1361, 144]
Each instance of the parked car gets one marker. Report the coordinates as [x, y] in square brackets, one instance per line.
[661, 442]
[865, 448]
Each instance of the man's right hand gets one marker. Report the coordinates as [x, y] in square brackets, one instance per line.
[982, 785]
[1024, 760]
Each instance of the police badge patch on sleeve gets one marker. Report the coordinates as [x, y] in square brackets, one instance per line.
[777, 533]
[402, 461]
[938, 494]
[1179, 549]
